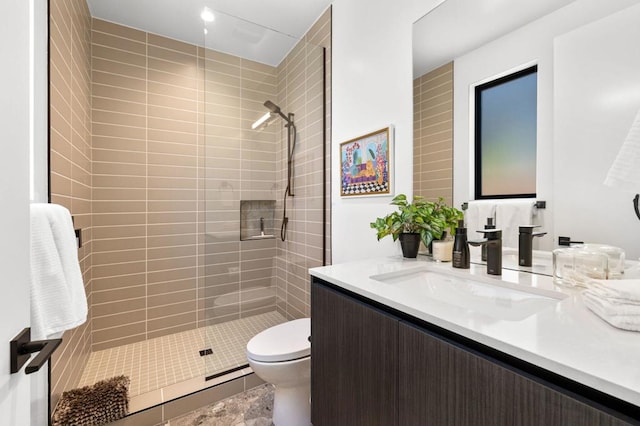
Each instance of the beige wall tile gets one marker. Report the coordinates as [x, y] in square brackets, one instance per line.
[171, 275]
[433, 167]
[103, 271]
[120, 282]
[118, 307]
[119, 319]
[106, 219]
[118, 30]
[171, 286]
[116, 55]
[185, 319]
[125, 331]
[101, 38]
[111, 92]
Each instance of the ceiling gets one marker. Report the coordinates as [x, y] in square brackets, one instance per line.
[260, 30]
[456, 27]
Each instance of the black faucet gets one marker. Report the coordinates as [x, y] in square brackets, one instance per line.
[525, 244]
[491, 224]
[493, 241]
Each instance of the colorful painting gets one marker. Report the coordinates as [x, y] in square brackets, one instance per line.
[365, 164]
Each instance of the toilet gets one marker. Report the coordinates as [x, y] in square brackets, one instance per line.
[281, 355]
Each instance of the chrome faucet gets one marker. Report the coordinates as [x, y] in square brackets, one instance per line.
[525, 244]
[493, 242]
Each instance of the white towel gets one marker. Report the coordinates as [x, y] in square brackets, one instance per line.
[476, 216]
[618, 291]
[510, 215]
[626, 319]
[58, 299]
[610, 308]
[615, 301]
[624, 172]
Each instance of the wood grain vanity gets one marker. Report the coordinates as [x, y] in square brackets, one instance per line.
[373, 364]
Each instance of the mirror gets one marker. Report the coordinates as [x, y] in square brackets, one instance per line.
[588, 96]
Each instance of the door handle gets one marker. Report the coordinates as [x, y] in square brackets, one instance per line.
[22, 347]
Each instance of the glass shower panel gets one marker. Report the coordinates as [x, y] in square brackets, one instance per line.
[243, 175]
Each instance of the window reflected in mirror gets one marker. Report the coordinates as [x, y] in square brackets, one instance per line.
[505, 136]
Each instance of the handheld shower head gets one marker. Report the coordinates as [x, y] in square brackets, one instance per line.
[276, 110]
[272, 107]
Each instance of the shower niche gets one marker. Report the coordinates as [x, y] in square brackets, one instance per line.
[257, 219]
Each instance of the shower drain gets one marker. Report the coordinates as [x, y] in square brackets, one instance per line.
[205, 352]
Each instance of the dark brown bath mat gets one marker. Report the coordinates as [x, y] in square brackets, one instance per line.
[104, 402]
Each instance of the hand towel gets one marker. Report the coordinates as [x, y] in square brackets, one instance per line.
[610, 308]
[510, 215]
[58, 299]
[618, 291]
[476, 216]
[601, 308]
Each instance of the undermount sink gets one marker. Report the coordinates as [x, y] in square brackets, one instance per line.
[492, 298]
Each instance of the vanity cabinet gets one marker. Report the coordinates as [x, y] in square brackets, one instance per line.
[374, 366]
[450, 385]
[354, 362]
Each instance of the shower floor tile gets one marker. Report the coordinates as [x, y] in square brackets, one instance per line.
[156, 363]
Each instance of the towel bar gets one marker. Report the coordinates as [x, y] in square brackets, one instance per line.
[78, 232]
[22, 347]
[537, 205]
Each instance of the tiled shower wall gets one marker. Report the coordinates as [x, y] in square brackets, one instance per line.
[433, 134]
[70, 136]
[300, 80]
[173, 156]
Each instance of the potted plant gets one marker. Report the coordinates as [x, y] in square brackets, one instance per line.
[450, 215]
[416, 221]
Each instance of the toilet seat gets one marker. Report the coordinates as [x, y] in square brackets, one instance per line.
[284, 342]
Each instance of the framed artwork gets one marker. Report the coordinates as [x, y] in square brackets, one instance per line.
[365, 164]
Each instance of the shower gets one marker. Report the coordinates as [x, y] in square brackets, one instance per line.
[291, 144]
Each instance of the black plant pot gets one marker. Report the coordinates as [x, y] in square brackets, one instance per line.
[410, 244]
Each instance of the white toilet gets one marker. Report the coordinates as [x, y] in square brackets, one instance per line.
[281, 355]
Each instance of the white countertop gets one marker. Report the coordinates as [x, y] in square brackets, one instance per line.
[566, 338]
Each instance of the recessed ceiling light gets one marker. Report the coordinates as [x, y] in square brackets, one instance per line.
[207, 15]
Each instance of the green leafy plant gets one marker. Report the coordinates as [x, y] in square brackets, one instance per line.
[427, 218]
[451, 215]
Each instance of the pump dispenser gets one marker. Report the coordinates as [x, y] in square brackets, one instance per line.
[461, 258]
[491, 224]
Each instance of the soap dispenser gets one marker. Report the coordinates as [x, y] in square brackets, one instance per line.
[491, 224]
[461, 258]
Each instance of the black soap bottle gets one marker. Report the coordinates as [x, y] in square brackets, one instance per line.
[483, 250]
[461, 248]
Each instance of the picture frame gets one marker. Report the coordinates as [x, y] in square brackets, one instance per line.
[366, 167]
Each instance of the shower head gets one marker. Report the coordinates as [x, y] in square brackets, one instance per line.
[272, 107]
[275, 109]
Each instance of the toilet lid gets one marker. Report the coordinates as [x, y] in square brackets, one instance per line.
[283, 342]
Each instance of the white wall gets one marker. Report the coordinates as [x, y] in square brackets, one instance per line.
[372, 87]
[14, 197]
[528, 45]
[597, 96]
